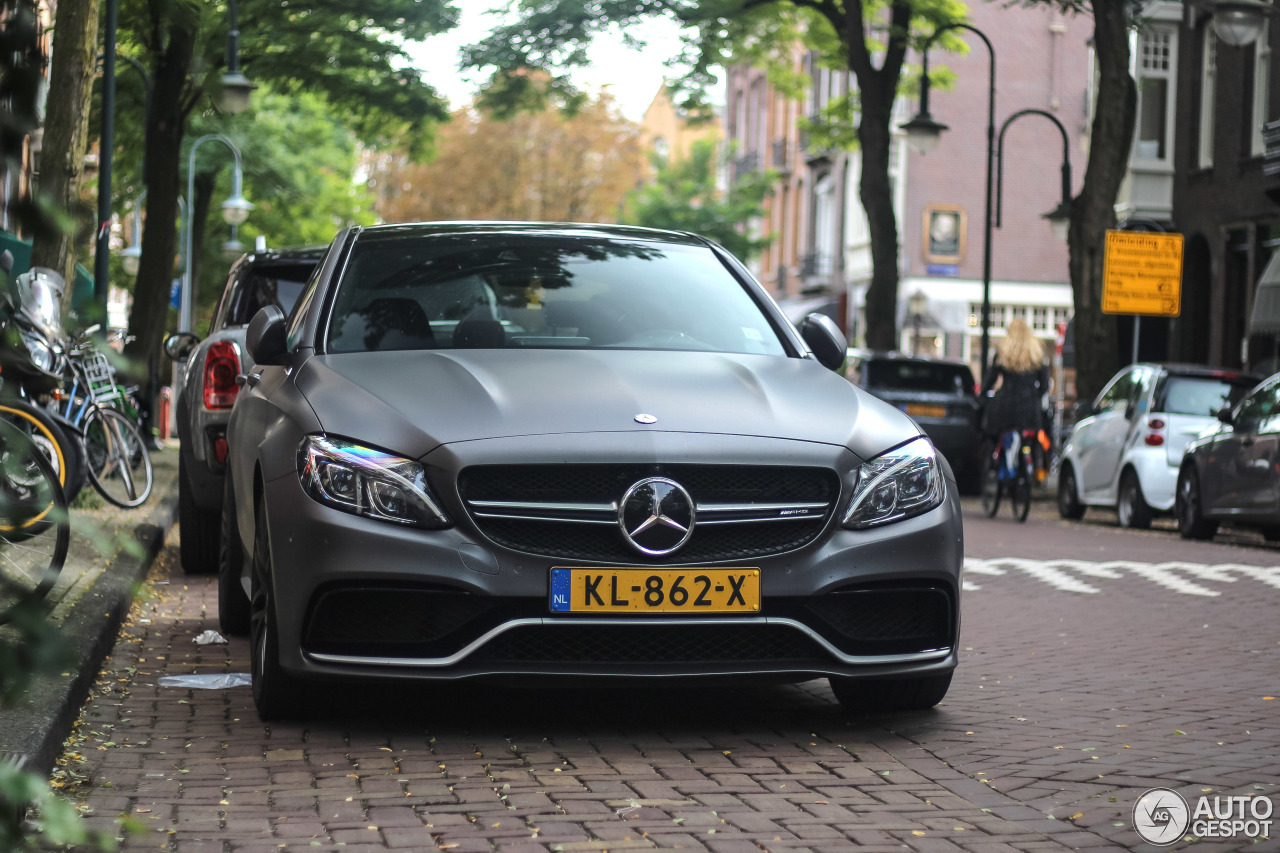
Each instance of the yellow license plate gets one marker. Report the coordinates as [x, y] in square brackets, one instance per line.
[691, 591]
[920, 410]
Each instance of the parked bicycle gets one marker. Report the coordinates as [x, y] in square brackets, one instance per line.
[1011, 467]
[35, 527]
[117, 459]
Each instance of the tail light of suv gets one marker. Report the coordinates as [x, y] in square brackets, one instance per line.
[221, 366]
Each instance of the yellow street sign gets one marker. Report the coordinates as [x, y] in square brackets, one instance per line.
[1142, 274]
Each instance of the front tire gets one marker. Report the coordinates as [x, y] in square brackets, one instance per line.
[200, 527]
[1191, 521]
[1069, 505]
[277, 695]
[1132, 507]
[868, 696]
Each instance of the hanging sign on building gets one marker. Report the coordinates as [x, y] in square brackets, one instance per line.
[1142, 274]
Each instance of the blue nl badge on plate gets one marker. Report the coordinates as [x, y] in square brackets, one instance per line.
[560, 590]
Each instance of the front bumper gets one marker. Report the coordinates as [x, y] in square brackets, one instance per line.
[358, 598]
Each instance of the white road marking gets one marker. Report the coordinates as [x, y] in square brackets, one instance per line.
[1081, 576]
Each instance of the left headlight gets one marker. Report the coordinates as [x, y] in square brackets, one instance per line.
[904, 482]
[41, 353]
[364, 481]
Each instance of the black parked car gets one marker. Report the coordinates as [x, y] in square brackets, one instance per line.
[938, 394]
[523, 450]
[208, 388]
[1231, 472]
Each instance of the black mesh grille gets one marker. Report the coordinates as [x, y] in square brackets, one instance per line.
[884, 621]
[397, 621]
[707, 484]
[639, 644]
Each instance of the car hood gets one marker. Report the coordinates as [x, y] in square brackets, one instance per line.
[411, 402]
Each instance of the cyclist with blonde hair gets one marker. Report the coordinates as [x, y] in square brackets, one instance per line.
[1019, 368]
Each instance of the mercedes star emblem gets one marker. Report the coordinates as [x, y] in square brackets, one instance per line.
[656, 516]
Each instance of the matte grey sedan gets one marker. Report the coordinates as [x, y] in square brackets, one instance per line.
[585, 453]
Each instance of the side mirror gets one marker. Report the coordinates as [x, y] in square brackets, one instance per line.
[826, 340]
[1224, 415]
[265, 339]
[177, 346]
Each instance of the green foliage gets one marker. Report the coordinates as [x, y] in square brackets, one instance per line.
[684, 197]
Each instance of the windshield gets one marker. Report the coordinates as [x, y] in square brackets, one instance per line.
[503, 290]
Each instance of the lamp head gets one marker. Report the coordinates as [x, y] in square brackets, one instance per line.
[131, 259]
[233, 93]
[1060, 221]
[235, 210]
[1239, 22]
[923, 133]
[232, 249]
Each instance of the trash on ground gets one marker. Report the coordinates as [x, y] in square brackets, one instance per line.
[211, 681]
[209, 637]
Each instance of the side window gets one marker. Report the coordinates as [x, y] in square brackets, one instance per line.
[1259, 411]
[1115, 397]
[224, 302]
[300, 307]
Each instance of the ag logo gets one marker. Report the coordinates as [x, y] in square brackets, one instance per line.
[1161, 816]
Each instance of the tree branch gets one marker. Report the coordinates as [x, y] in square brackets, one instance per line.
[855, 39]
[896, 50]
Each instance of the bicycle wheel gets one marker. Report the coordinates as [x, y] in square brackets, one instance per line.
[1020, 486]
[118, 461]
[991, 485]
[61, 448]
[35, 527]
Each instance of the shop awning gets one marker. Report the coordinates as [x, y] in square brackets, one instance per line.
[1264, 319]
[81, 288]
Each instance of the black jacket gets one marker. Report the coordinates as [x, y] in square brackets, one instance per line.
[1017, 405]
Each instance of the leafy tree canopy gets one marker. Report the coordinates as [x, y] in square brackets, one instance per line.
[684, 197]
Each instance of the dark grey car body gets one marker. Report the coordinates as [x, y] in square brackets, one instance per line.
[528, 450]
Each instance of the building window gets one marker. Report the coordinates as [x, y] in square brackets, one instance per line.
[1156, 63]
[1040, 319]
[1261, 89]
[1208, 82]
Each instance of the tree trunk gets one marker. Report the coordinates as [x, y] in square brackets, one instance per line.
[66, 128]
[165, 128]
[1093, 211]
[877, 200]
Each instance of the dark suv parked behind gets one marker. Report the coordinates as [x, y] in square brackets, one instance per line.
[938, 394]
[207, 389]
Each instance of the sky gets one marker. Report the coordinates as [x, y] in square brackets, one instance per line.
[633, 77]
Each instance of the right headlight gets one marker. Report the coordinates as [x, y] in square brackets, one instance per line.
[902, 483]
[42, 355]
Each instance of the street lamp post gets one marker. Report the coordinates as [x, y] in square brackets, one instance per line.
[924, 134]
[235, 211]
[1060, 217]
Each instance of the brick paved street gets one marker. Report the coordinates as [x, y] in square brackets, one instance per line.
[1068, 704]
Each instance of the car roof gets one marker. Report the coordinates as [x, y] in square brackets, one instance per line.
[561, 229]
[295, 253]
[1175, 368]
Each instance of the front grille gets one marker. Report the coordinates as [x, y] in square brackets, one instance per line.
[656, 644]
[570, 511]
[401, 622]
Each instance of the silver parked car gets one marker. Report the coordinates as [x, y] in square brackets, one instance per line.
[1125, 450]
[506, 450]
[1231, 472]
[208, 389]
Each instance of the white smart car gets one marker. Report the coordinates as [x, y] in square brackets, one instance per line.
[1125, 450]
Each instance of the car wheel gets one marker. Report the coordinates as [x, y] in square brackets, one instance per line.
[233, 605]
[199, 529]
[277, 695]
[1069, 505]
[870, 696]
[1132, 508]
[1191, 521]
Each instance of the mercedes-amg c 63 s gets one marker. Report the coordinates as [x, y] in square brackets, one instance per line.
[520, 450]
